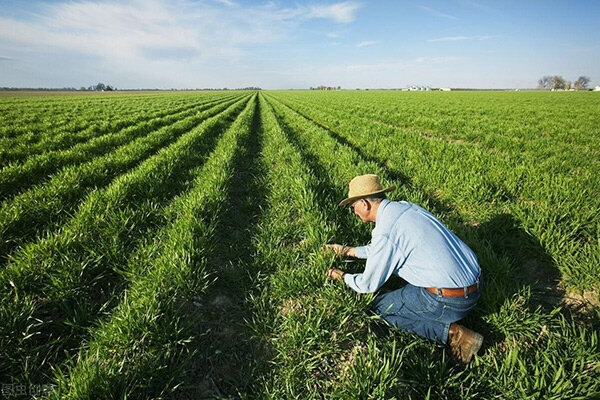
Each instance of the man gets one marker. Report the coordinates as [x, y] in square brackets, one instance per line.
[442, 273]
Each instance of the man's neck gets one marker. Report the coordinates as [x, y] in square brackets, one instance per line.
[374, 208]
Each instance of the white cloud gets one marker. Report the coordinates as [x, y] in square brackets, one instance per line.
[437, 13]
[109, 26]
[338, 12]
[159, 40]
[333, 35]
[366, 43]
[125, 32]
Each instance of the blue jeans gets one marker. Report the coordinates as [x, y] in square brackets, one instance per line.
[414, 309]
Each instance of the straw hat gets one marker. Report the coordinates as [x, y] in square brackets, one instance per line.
[364, 186]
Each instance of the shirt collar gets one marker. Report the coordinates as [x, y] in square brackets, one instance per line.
[382, 205]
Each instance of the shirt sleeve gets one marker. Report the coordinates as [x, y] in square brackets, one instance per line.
[362, 251]
[378, 268]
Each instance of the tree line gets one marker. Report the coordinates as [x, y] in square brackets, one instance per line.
[100, 87]
[557, 82]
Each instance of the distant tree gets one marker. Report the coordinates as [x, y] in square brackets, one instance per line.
[100, 86]
[581, 83]
[108, 88]
[568, 85]
[544, 82]
[557, 82]
[82, 88]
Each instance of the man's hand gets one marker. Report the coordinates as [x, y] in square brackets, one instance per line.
[341, 251]
[335, 274]
[338, 249]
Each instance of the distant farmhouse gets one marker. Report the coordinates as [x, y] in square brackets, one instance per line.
[417, 88]
[323, 87]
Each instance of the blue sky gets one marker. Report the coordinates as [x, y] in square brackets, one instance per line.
[279, 44]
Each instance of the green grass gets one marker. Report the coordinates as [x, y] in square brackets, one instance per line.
[140, 347]
[169, 245]
[72, 275]
[45, 205]
[19, 149]
[487, 165]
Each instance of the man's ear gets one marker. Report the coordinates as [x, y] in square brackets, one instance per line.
[368, 204]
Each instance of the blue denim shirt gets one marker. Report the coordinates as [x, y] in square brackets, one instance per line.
[410, 242]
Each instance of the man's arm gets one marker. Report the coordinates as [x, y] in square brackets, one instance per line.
[378, 268]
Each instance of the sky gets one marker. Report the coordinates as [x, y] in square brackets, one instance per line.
[282, 44]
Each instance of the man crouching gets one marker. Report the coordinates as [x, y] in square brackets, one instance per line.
[442, 273]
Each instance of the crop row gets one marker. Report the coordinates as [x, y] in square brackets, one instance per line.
[53, 289]
[21, 148]
[46, 205]
[16, 177]
[30, 119]
[139, 349]
[25, 120]
[188, 262]
[321, 332]
[536, 123]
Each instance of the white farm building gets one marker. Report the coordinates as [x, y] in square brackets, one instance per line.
[418, 88]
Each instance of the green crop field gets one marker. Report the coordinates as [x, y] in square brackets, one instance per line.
[169, 245]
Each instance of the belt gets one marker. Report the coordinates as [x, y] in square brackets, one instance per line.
[463, 291]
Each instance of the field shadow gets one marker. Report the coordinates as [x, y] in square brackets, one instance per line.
[515, 263]
[229, 360]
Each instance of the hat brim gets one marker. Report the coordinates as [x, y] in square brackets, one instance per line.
[352, 199]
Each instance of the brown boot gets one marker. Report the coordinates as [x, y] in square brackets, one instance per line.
[463, 342]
